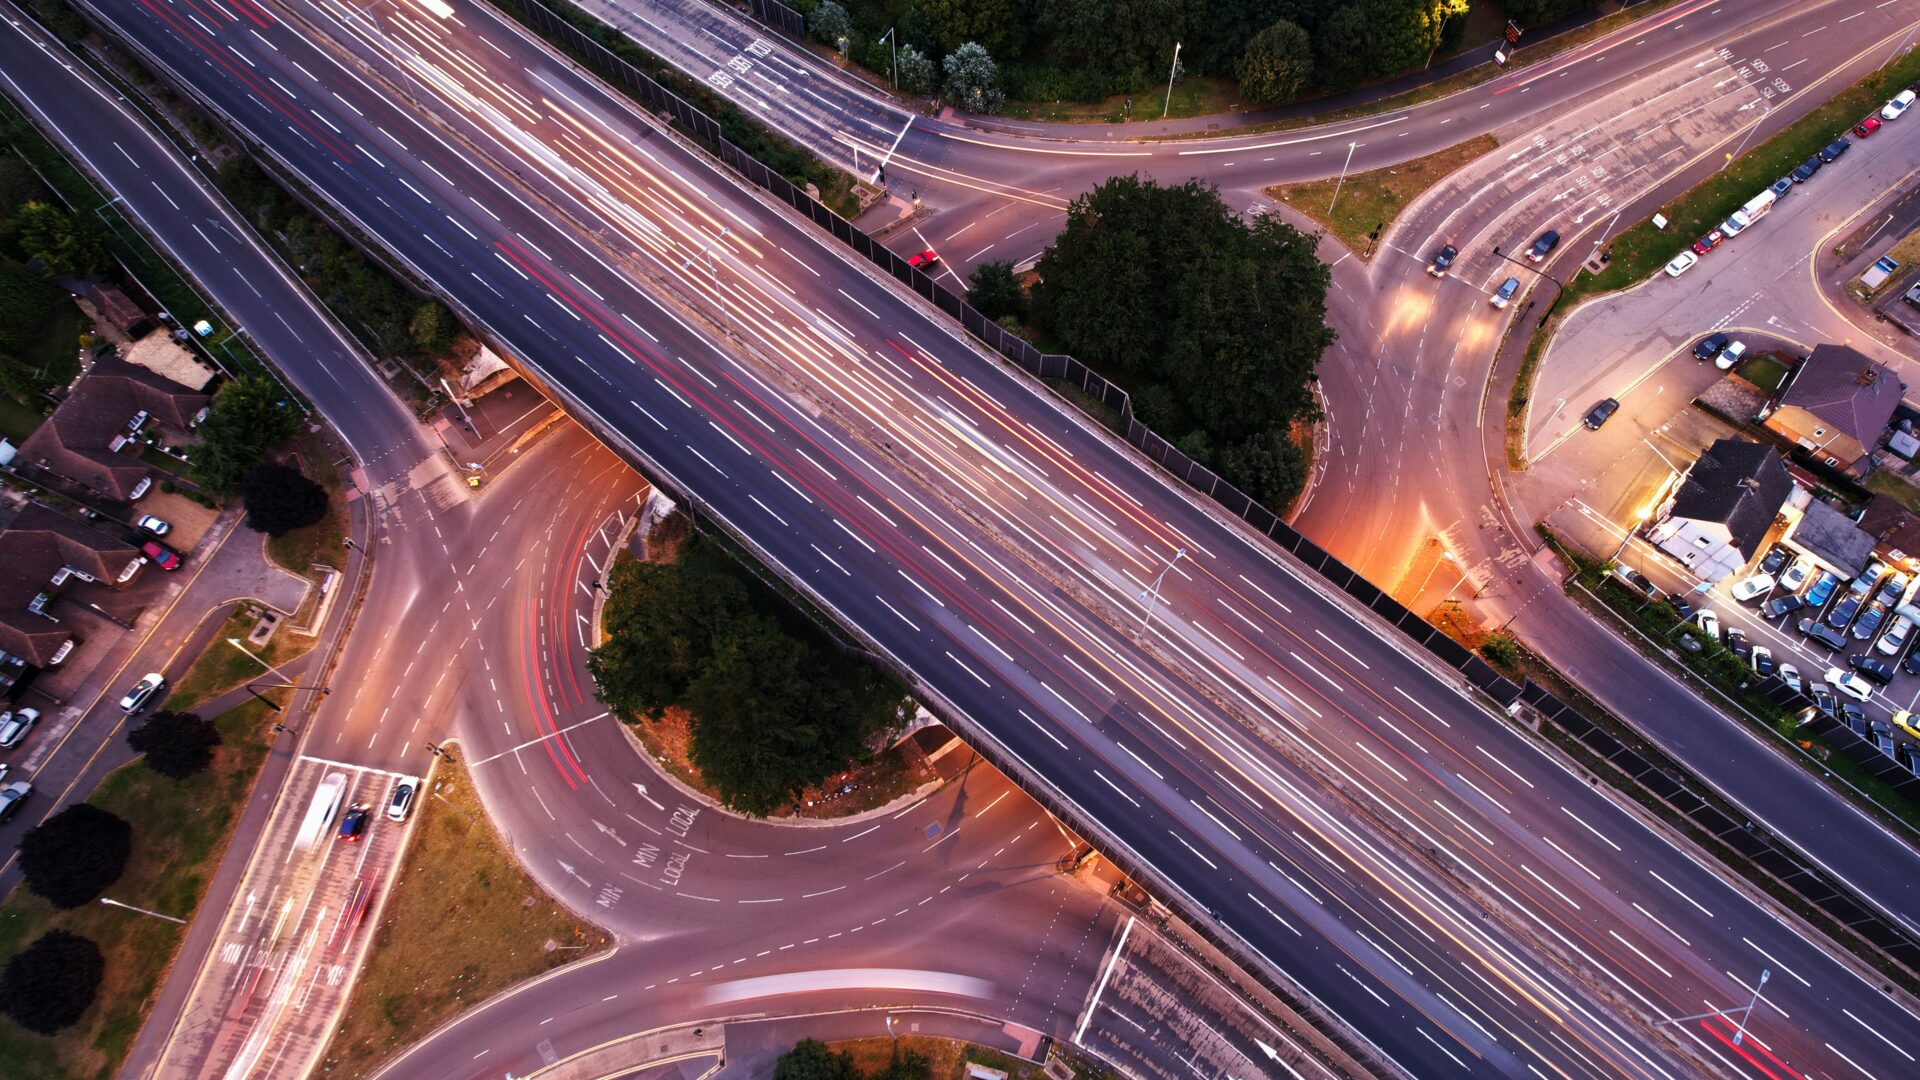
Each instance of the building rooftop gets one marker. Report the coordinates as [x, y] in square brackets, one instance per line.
[1847, 390]
[1739, 484]
[80, 439]
[1832, 537]
[33, 547]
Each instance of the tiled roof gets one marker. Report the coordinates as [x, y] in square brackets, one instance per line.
[1847, 390]
[36, 544]
[77, 440]
[1739, 484]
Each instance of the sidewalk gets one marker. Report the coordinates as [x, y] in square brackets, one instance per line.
[496, 427]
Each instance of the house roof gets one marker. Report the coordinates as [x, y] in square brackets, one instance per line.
[114, 306]
[76, 441]
[167, 358]
[1891, 524]
[1847, 390]
[1739, 484]
[36, 544]
[1832, 537]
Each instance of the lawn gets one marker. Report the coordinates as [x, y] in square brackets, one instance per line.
[464, 923]
[324, 542]
[179, 832]
[17, 419]
[1765, 370]
[1894, 486]
[1372, 200]
[1197, 95]
[220, 667]
[1642, 250]
[947, 1059]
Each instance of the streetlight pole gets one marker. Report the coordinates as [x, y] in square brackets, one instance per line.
[1527, 266]
[287, 685]
[1338, 184]
[714, 271]
[893, 70]
[1171, 72]
[111, 902]
[1150, 596]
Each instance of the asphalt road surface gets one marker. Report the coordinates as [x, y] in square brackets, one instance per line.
[1010, 465]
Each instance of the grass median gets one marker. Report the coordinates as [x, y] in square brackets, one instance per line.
[180, 829]
[1372, 200]
[464, 923]
[1642, 250]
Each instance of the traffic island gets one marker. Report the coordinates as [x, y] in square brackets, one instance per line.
[1357, 208]
[180, 829]
[464, 922]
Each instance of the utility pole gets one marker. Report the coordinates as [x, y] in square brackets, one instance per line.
[893, 70]
[1171, 72]
[1150, 596]
[1338, 184]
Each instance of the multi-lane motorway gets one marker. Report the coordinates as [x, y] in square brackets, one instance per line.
[864, 444]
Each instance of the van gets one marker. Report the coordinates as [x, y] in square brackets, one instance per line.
[1758, 206]
[1735, 223]
[1504, 294]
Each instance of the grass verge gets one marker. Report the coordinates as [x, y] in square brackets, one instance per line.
[1372, 200]
[947, 1059]
[179, 832]
[1198, 95]
[1642, 249]
[1893, 486]
[1765, 370]
[325, 541]
[220, 667]
[464, 923]
[1522, 392]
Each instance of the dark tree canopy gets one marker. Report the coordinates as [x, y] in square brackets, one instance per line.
[774, 705]
[176, 745]
[64, 244]
[47, 985]
[279, 499]
[1531, 13]
[249, 417]
[811, 1060]
[1221, 322]
[1277, 63]
[73, 856]
[993, 289]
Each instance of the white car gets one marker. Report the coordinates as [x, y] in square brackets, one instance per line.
[1682, 263]
[15, 725]
[1708, 622]
[1849, 684]
[1730, 356]
[1895, 637]
[157, 526]
[1749, 588]
[1791, 676]
[1796, 575]
[145, 485]
[1901, 102]
[142, 692]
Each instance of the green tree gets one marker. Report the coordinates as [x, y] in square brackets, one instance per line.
[1269, 466]
[1343, 47]
[1530, 13]
[432, 329]
[175, 744]
[73, 856]
[64, 244]
[27, 302]
[279, 499]
[1502, 650]
[47, 985]
[250, 416]
[994, 291]
[916, 71]
[811, 1060]
[830, 23]
[1124, 44]
[1277, 63]
[973, 83]
[953, 23]
[661, 621]
[18, 186]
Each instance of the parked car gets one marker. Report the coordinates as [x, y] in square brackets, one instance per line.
[1503, 295]
[1911, 664]
[1806, 169]
[1708, 242]
[1775, 558]
[1823, 634]
[1543, 246]
[353, 823]
[1736, 639]
[1867, 127]
[1824, 700]
[1781, 187]
[1901, 102]
[1850, 684]
[1904, 720]
[1796, 574]
[1710, 346]
[1784, 604]
[157, 526]
[401, 802]
[1854, 717]
[1831, 152]
[11, 797]
[1872, 667]
[1790, 675]
[1600, 414]
[140, 489]
[1682, 610]
[1443, 261]
[1762, 661]
[15, 725]
[1843, 612]
[926, 260]
[1891, 589]
[1869, 621]
[142, 692]
[1709, 623]
[1750, 587]
[1895, 639]
[1823, 587]
[1731, 356]
[163, 556]
[1682, 263]
[1635, 580]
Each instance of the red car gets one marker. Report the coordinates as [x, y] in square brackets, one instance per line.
[1867, 127]
[923, 261]
[161, 554]
[1708, 242]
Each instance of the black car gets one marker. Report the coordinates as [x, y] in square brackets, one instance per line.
[1782, 605]
[1600, 413]
[1872, 667]
[1736, 639]
[1832, 151]
[353, 824]
[1911, 665]
[1775, 559]
[1544, 246]
[1710, 346]
[1763, 664]
[1844, 611]
[1806, 170]
[1825, 635]
[1443, 261]
[1855, 717]
[1684, 611]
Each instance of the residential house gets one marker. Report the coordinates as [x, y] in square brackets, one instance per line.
[1831, 540]
[116, 310]
[44, 554]
[1895, 531]
[1716, 519]
[90, 437]
[1836, 405]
